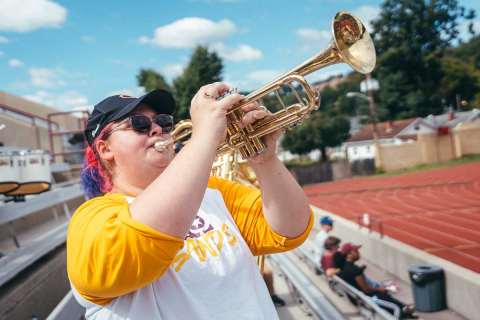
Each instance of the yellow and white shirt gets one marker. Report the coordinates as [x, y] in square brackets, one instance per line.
[122, 269]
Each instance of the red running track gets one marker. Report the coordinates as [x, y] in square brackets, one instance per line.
[437, 211]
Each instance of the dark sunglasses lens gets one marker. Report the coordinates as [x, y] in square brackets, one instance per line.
[165, 122]
[140, 124]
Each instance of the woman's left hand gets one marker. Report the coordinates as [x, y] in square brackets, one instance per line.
[253, 112]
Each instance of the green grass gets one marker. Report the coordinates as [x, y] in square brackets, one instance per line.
[464, 160]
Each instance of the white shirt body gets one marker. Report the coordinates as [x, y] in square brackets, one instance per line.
[319, 249]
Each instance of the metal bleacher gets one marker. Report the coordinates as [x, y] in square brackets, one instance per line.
[319, 306]
[67, 309]
[26, 254]
[367, 308]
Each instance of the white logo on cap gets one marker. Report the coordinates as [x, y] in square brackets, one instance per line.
[94, 132]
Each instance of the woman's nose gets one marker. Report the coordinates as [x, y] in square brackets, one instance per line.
[155, 130]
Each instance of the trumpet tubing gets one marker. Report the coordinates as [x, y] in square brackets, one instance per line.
[351, 44]
[181, 130]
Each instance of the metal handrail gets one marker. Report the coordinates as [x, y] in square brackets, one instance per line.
[369, 223]
[52, 134]
[67, 309]
[362, 299]
[28, 115]
[319, 305]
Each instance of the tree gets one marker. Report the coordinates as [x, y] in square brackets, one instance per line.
[204, 68]
[301, 140]
[420, 26]
[320, 131]
[151, 80]
[411, 37]
[332, 130]
[462, 74]
[468, 52]
[458, 78]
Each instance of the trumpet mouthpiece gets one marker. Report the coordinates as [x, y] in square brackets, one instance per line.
[160, 146]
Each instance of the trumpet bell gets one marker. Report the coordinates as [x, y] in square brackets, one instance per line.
[354, 42]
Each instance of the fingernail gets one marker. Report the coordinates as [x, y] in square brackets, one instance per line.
[259, 114]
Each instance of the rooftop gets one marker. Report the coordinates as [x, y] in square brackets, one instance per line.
[366, 133]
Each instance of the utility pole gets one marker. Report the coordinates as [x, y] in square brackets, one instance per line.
[373, 119]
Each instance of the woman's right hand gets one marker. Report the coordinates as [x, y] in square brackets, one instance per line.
[209, 116]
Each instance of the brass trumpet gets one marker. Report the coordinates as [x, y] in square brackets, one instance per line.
[351, 44]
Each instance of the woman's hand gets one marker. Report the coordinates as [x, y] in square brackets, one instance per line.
[209, 116]
[254, 113]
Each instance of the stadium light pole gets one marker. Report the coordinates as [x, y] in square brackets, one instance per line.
[370, 85]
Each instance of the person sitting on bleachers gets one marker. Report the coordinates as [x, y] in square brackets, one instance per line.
[354, 276]
[332, 259]
[322, 235]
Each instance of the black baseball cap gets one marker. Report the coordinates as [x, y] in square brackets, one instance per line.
[117, 107]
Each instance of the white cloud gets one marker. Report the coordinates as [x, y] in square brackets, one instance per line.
[253, 80]
[87, 39]
[189, 32]
[4, 40]
[66, 101]
[46, 78]
[20, 85]
[143, 40]
[1, 53]
[15, 63]
[137, 92]
[367, 14]
[463, 29]
[243, 53]
[29, 15]
[312, 40]
[172, 70]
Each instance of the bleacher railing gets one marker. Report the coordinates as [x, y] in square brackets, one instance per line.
[67, 309]
[33, 118]
[319, 306]
[366, 306]
[364, 220]
[82, 123]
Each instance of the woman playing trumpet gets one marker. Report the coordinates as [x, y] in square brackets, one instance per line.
[166, 240]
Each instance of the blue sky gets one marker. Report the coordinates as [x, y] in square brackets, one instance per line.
[72, 54]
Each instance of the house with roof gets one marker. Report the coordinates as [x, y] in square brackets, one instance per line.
[361, 145]
[452, 118]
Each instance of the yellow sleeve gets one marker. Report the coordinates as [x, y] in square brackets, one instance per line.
[245, 206]
[109, 254]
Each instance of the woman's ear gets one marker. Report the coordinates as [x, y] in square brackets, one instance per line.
[104, 150]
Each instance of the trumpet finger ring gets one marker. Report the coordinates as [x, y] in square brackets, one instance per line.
[207, 96]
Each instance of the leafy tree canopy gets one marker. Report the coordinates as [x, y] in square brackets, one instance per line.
[411, 37]
[204, 68]
[151, 80]
[420, 26]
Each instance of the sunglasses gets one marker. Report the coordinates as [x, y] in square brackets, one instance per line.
[143, 124]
